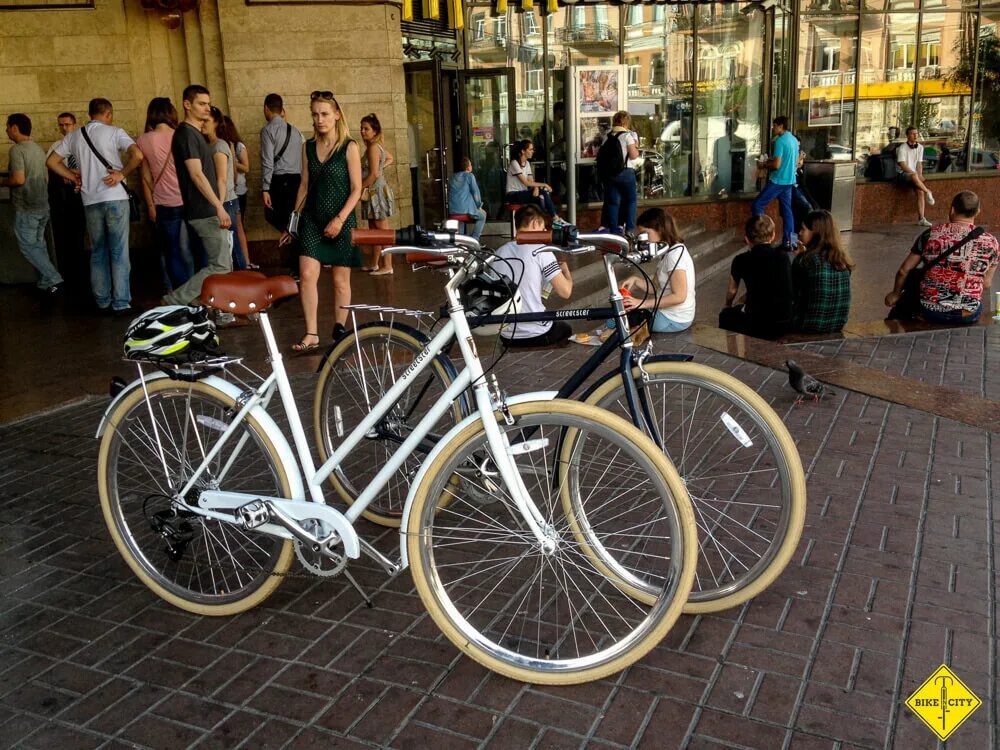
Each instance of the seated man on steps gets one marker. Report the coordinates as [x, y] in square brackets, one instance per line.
[536, 275]
[766, 272]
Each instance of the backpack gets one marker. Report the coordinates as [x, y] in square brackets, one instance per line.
[881, 167]
[610, 160]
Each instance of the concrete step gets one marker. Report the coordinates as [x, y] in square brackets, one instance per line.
[711, 250]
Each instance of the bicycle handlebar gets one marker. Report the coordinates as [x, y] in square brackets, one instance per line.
[567, 239]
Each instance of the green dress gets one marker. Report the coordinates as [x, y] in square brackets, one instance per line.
[329, 188]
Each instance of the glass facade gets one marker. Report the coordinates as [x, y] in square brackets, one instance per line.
[704, 80]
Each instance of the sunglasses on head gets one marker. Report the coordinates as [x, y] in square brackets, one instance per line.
[322, 95]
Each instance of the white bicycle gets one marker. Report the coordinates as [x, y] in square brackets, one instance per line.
[206, 501]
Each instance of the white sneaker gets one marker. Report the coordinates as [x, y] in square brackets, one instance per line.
[925, 222]
[930, 199]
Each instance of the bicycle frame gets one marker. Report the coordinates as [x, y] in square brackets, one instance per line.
[211, 502]
[621, 339]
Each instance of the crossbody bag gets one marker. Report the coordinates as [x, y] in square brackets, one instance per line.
[134, 204]
[909, 302]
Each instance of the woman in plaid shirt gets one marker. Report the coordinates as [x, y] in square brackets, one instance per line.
[821, 276]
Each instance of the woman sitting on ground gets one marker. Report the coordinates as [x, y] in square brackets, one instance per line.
[673, 298]
[821, 276]
[521, 186]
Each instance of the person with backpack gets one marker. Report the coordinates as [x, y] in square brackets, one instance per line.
[620, 191]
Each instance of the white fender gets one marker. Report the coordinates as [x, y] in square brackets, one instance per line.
[404, 557]
[278, 440]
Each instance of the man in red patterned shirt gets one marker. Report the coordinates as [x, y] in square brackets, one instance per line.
[952, 290]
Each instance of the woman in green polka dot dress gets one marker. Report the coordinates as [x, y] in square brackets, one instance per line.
[330, 189]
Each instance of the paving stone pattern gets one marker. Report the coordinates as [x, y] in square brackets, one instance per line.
[966, 359]
[895, 574]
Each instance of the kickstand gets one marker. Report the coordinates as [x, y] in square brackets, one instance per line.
[356, 585]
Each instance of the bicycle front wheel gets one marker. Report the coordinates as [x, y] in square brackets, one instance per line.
[741, 469]
[199, 564]
[551, 617]
[362, 367]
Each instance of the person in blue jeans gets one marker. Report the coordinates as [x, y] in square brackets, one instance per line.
[97, 148]
[620, 190]
[464, 196]
[28, 183]
[781, 181]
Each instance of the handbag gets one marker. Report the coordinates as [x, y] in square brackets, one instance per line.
[366, 194]
[134, 204]
[908, 305]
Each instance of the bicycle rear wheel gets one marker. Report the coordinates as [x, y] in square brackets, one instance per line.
[199, 564]
[551, 618]
[740, 466]
[360, 369]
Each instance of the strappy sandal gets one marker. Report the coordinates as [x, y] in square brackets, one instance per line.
[301, 347]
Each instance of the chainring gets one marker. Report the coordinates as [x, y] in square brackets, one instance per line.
[318, 563]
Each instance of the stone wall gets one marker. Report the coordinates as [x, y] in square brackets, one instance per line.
[56, 60]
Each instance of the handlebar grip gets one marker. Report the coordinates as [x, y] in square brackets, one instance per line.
[424, 258]
[373, 236]
[534, 238]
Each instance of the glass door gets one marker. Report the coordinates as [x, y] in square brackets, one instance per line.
[427, 130]
[488, 126]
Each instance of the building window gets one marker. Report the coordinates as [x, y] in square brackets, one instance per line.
[531, 24]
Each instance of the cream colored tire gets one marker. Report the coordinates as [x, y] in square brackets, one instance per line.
[133, 493]
[481, 573]
[748, 526]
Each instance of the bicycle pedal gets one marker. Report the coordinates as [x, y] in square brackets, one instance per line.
[253, 515]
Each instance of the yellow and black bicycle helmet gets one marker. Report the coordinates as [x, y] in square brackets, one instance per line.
[178, 333]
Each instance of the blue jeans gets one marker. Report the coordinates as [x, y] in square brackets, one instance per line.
[174, 244]
[29, 228]
[954, 318]
[524, 197]
[663, 324]
[480, 222]
[107, 225]
[784, 195]
[239, 260]
[620, 201]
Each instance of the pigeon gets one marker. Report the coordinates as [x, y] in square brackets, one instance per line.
[803, 382]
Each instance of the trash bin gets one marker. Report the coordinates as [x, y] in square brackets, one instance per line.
[830, 183]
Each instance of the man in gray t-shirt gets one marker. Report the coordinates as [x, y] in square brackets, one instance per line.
[28, 183]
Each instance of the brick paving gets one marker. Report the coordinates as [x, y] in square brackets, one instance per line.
[895, 574]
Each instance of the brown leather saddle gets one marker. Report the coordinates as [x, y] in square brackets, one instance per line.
[246, 292]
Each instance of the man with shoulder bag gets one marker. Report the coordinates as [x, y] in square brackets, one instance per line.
[96, 149]
[281, 170]
[946, 271]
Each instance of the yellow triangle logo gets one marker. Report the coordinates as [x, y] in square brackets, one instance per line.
[943, 702]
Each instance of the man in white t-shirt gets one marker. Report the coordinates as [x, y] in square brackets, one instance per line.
[105, 202]
[534, 273]
[910, 158]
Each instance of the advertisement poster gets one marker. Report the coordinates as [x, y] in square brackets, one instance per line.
[598, 91]
[826, 99]
[597, 95]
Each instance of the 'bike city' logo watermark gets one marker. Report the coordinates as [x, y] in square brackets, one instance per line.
[943, 702]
